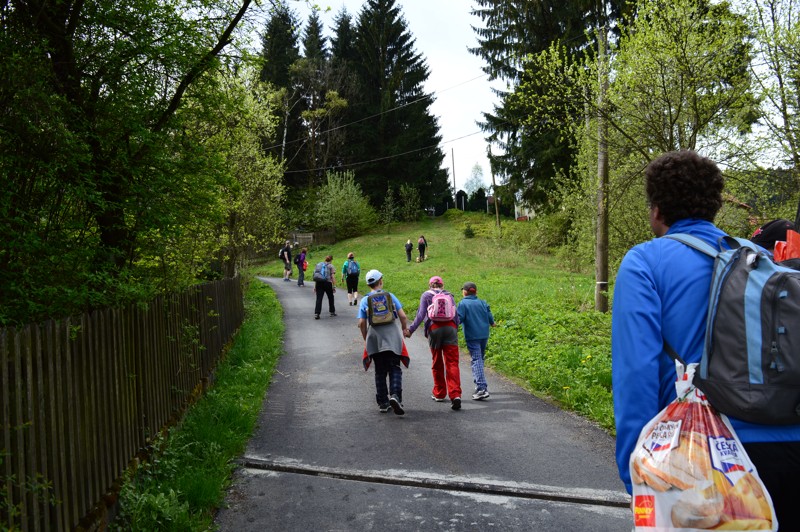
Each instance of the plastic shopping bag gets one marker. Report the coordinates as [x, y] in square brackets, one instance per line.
[691, 473]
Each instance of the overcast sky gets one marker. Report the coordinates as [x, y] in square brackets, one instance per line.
[443, 33]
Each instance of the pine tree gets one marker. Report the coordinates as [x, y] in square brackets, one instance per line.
[397, 133]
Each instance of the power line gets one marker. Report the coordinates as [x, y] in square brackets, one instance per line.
[360, 163]
[427, 96]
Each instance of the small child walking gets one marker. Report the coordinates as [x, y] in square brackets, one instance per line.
[476, 318]
[378, 316]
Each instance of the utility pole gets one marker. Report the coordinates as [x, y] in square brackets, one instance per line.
[453, 164]
[494, 190]
[601, 238]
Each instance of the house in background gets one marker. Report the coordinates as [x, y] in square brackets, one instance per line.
[522, 212]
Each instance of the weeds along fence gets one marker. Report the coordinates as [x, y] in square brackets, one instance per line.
[81, 397]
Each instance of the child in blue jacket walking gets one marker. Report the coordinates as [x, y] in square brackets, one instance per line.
[476, 318]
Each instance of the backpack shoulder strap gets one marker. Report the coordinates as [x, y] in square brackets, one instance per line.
[694, 243]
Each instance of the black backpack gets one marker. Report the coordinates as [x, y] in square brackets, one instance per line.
[750, 368]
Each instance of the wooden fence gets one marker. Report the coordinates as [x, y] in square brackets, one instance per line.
[81, 397]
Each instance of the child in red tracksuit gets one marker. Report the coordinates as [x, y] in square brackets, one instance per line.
[443, 340]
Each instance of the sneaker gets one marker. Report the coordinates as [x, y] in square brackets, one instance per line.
[396, 406]
[456, 403]
[350, 303]
[480, 395]
[385, 407]
[316, 316]
[333, 314]
[355, 301]
[437, 399]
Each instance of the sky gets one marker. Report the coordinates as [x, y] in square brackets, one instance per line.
[443, 33]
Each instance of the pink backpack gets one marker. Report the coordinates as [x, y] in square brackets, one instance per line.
[442, 307]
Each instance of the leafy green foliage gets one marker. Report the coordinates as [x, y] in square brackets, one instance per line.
[185, 479]
[342, 208]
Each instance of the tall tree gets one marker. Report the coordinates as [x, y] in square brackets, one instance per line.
[397, 139]
[93, 149]
[316, 83]
[279, 52]
[532, 153]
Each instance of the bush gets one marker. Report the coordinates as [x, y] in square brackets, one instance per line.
[343, 208]
[469, 232]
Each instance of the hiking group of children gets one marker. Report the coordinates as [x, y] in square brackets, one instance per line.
[378, 317]
[384, 324]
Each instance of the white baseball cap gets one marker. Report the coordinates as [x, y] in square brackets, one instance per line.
[373, 276]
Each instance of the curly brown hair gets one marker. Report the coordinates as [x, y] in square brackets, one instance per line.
[683, 184]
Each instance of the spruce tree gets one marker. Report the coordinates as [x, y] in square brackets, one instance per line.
[280, 52]
[397, 131]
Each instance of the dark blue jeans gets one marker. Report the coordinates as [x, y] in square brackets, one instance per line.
[387, 364]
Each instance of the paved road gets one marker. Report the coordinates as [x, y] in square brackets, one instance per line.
[324, 458]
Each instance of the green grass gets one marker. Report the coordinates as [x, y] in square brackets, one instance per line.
[184, 481]
[549, 338]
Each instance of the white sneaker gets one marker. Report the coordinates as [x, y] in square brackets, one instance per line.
[480, 395]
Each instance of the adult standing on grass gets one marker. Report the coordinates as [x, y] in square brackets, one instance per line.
[409, 249]
[324, 283]
[422, 245]
[661, 295]
[286, 255]
[351, 270]
[300, 261]
[384, 345]
[476, 319]
[441, 329]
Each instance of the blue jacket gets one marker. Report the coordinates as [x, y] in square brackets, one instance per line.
[661, 293]
[476, 317]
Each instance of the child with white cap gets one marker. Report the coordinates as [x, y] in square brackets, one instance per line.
[378, 314]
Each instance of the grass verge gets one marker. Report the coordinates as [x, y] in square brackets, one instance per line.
[185, 479]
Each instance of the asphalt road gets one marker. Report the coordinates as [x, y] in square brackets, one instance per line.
[324, 458]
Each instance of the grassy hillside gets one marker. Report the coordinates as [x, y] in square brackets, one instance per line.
[549, 339]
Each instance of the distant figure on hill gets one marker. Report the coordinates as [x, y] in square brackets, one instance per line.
[409, 249]
[422, 244]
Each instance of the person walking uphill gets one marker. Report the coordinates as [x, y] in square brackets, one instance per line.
[286, 256]
[437, 311]
[661, 296]
[409, 249]
[350, 273]
[324, 283]
[476, 318]
[378, 315]
[422, 244]
[300, 262]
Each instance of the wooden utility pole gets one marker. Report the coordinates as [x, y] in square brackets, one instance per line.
[453, 164]
[601, 240]
[494, 190]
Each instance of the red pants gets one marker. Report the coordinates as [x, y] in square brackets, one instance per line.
[446, 376]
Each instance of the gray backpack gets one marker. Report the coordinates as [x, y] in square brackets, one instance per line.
[750, 368]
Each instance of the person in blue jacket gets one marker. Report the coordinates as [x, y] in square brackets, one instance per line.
[661, 293]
